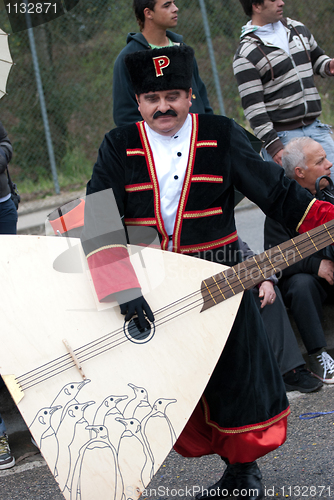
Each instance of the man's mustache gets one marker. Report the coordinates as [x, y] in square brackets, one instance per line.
[170, 112]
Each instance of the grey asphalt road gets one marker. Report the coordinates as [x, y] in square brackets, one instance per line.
[300, 469]
[249, 222]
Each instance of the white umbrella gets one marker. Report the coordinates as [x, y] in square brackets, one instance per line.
[6, 62]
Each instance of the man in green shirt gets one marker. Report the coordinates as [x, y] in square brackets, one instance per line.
[155, 18]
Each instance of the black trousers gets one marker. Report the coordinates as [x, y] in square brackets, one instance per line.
[280, 333]
[304, 294]
[246, 386]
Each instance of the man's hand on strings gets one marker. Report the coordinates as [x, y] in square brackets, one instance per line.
[134, 306]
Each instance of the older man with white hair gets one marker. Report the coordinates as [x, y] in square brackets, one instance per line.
[306, 285]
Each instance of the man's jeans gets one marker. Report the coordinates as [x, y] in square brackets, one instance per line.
[8, 221]
[2, 427]
[8, 217]
[2, 423]
[318, 131]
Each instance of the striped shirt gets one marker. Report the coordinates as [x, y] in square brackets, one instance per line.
[277, 89]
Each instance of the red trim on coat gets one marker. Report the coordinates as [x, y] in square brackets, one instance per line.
[186, 184]
[111, 271]
[242, 445]
[154, 179]
[319, 213]
[207, 144]
[195, 214]
[243, 428]
[135, 152]
[207, 178]
[210, 245]
[130, 188]
[140, 222]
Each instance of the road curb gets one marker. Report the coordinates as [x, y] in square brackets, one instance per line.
[51, 202]
[33, 214]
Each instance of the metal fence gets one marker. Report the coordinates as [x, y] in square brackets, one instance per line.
[75, 54]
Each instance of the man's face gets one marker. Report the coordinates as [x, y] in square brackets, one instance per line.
[270, 11]
[164, 14]
[317, 165]
[165, 111]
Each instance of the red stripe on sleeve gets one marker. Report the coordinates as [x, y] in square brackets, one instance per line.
[319, 213]
[112, 272]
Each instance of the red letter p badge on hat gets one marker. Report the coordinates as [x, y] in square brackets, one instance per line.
[160, 63]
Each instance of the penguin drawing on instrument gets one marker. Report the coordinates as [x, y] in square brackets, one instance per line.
[106, 414]
[138, 407]
[81, 435]
[157, 423]
[98, 450]
[65, 436]
[44, 434]
[108, 407]
[133, 446]
[66, 396]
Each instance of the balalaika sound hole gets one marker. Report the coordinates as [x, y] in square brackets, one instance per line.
[136, 333]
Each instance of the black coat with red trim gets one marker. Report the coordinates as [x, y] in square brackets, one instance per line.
[220, 158]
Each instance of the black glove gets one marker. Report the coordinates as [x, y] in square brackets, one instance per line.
[134, 306]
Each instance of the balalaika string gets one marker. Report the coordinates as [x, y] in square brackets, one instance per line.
[220, 287]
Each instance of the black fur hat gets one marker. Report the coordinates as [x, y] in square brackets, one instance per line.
[167, 68]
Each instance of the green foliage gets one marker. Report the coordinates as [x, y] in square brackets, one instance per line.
[75, 170]
[76, 54]
[75, 165]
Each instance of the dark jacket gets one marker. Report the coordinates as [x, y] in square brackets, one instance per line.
[275, 234]
[125, 107]
[221, 157]
[6, 152]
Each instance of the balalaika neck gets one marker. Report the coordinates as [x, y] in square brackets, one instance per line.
[260, 267]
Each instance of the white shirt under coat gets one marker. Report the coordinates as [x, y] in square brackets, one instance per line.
[170, 155]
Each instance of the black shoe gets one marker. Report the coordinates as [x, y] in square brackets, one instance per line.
[248, 481]
[242, 481]
[301, 380]
[221, 489]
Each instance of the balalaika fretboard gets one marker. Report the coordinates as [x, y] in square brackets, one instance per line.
[249, 273]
